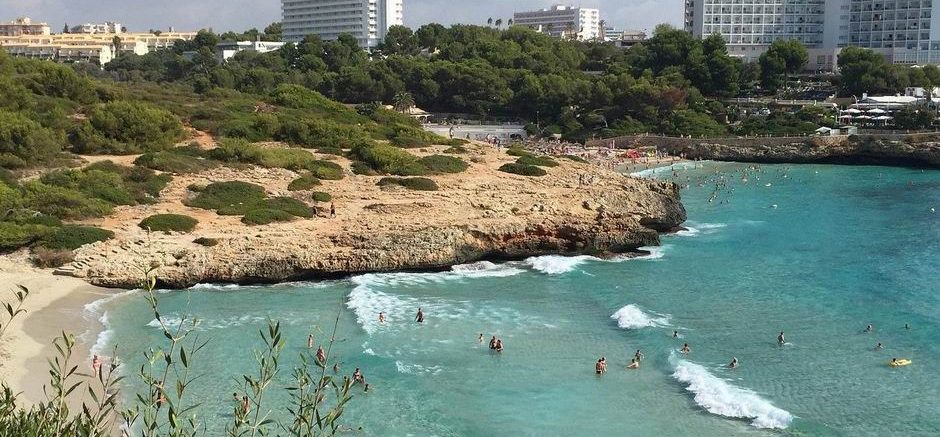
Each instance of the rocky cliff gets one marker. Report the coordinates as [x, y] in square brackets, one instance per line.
[913, 150]
[478, 214]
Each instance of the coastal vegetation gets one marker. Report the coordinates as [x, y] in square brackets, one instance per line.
[522, 169]
[169, 223]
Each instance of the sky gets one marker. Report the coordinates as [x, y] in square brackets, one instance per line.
[223, 15]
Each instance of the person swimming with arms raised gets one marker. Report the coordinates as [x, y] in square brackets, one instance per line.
[734, 363]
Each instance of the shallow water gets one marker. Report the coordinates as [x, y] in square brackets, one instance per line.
[819, 253]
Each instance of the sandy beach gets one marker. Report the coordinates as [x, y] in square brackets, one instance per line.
[55, 304]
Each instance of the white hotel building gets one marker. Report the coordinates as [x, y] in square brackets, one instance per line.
[563, 21]
[366, 20]
[905, 31]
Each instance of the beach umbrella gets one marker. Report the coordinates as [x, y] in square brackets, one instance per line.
[863, 117]
[883, 117]
[849, 116]
[877, 111]
[853, 111]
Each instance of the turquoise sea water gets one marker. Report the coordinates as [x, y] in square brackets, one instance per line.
[819, 253]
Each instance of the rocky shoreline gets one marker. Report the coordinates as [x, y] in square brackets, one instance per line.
[916, 150]
[482, 214]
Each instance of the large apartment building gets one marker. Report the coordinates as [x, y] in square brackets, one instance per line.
[366, 20]
[23, 26]
[563, 21]
[902, 30]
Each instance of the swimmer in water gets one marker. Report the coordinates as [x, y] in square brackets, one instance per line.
[601, 366]
[638, 356]
[420, 316]
[869, 328]
[634, 364]
[381, 317]
[309, 341]
[480, 338]
[321, 356]
[493, 342]
[685, 349]
[879, 346]
[907, 326]
[675, 334]
[733, 364]
[499, 345]
[780, 339]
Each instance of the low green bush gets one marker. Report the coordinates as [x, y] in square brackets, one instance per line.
[361, 168]
[266, 216]
[123, 127]
[331, 151]
[389, 160]
[73, 237]
[418, 184]
[303, 183]
[14, 235]
[438, 164]
[229, 198]
[169, 223]
[456, 150]
[171, 162]
[327, 170]
[522, 169]
[64, 203]
[207, 242]
[541, 161]
[319, 196]
[517, 151]
[289, 205]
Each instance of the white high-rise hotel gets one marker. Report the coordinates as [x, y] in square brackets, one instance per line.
[366, 20]
[563, 21]
[905, 31]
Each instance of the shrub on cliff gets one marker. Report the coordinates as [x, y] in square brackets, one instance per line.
[73, 237]
[541, 161]
[456, 150]
[389, 160]
[321, 197]
[289, 205]
[15, 235]
[418, 184]
[443, 164]
[24, 142]
[169, 223]
[64, 203]
[207, 242]
[266, 216]
[517, 151]
[51, 258]
[522, 169]
[327, 170]
[122, 127]
[171, 162]
[575, 158]
[230, 197]
[303, 183]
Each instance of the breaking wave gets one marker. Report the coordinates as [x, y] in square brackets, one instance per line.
[720, 397]
[95, 311]
[556, 264]
[632, 317]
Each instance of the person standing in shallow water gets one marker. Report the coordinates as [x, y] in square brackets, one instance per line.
[381, 317]
[601, 366]
[780, 339]
[733, 364]
[420, 316]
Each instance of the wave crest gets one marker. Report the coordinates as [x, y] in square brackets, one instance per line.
[557, 264]
[720, 397]
[632, 317]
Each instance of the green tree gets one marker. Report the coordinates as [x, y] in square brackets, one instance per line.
[915, 117]
[862, 71]
[782, 58]
[403, 101]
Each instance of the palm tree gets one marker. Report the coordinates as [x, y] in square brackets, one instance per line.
[403, 101]
[489, 22]
[499, 23]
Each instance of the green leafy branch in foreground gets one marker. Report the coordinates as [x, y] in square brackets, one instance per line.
[316, 405]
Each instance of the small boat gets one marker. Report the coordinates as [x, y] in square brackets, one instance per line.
[899, 363]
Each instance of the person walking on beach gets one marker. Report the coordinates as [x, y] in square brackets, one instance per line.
[734, 363]
[780, 339]
[321, 356]
[96, 366]
[332, 210]
[601, 366]
[420, 316]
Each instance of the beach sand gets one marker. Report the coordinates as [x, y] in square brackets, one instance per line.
[55, 304]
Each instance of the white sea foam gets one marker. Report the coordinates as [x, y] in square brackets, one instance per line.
[214, 287]
[655, 171]
[557, 264]
[417, 369]
[173, 322]
[693, 229]
[720, 397]
[655, 252]
[484, 269]
[94, 311]
[632, 317]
